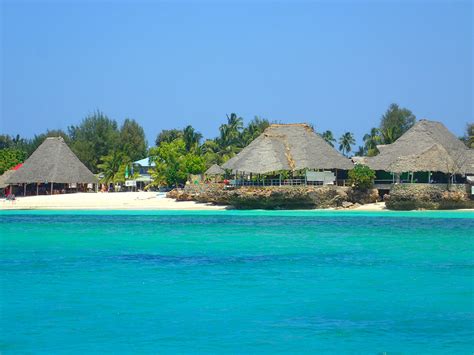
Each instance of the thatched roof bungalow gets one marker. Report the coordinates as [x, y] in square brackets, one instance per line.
[289, 147]
[427, 146]
[52, 162]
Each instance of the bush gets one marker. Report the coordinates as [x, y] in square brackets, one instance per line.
[361, 177]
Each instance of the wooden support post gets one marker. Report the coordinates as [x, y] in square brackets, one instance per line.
[24, 190]
[52, 187]
[37, 189]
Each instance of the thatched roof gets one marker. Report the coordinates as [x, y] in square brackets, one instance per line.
[427, 146]
[3, 178]
[214, 170]
[53, 161]
[287, 147]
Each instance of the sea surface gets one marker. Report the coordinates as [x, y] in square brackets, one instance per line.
[236, 282]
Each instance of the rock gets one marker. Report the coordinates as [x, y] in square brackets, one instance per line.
[427, 196]
[347, 204]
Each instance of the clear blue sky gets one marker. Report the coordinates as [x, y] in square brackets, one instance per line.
[337, 65]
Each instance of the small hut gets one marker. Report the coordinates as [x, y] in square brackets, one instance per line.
[214, 170]
[53, 162]
[426, 147]
[288, 147]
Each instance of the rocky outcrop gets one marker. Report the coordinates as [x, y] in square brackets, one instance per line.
[428, 196]
[288, 197]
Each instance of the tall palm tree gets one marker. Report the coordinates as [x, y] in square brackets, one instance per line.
[345, 142]
[328, 137]
[191, 138]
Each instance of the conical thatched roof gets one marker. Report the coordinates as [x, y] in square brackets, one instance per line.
[427, 146]
[53, 161]
[214, 170]
[4, 177]
[287, 147]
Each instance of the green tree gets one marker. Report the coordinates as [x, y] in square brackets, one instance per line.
[230, 132]
[253, 130]
[191, 137]
[328, 137]
[361, 151]
[395, 122]
[132, 140]
[10, 157]
[39, 139]
[174, 163]
[361, 177]
[110, 166]
[96, 137]
[371, 141]
[168, 135]
[346, 142]
[468, 138]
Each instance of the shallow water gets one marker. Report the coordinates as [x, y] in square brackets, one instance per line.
[236, 282]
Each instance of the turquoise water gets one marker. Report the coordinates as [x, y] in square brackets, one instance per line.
[236, 282]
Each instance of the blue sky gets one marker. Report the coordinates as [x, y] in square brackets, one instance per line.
[337, 65]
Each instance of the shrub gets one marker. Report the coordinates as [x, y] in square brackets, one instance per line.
[361, 177]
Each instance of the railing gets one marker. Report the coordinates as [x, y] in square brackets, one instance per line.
[278, 182]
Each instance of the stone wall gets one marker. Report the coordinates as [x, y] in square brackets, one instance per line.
[428, 196]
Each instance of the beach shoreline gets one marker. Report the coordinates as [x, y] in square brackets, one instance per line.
[131, 201]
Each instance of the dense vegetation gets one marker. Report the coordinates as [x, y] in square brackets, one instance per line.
[361, 177]
[109, 148]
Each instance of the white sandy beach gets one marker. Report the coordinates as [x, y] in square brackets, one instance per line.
[120, 201]
[103, 201]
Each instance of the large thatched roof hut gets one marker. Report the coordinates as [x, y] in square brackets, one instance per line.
[427, 146]
[288, 147]
[52, 162]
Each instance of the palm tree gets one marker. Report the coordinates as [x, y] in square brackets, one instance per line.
[253, 130]
[110, 166]
[328, 137]
[191, 138]
[345, 142]
[389, 135]
[371, 141]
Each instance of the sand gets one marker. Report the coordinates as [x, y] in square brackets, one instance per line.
[103, 201]
[122, 201]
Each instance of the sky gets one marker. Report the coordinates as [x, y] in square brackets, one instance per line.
[335, 64]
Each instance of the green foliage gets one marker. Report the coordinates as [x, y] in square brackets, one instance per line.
[132, 142]
[395, 122]
[371, 140]
[468, 138]
[10, 157]
[168, 135]
[346, 142]
[94, 138]
[174, 163]
[113, 167]
[253, 130]
[328, 137]
[361, 177]
[191, 138]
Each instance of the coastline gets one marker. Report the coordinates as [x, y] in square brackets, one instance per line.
[135, 201]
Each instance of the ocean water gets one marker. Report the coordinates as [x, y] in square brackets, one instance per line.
[236, 282]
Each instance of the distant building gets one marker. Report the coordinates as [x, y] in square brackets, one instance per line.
[142, 168]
